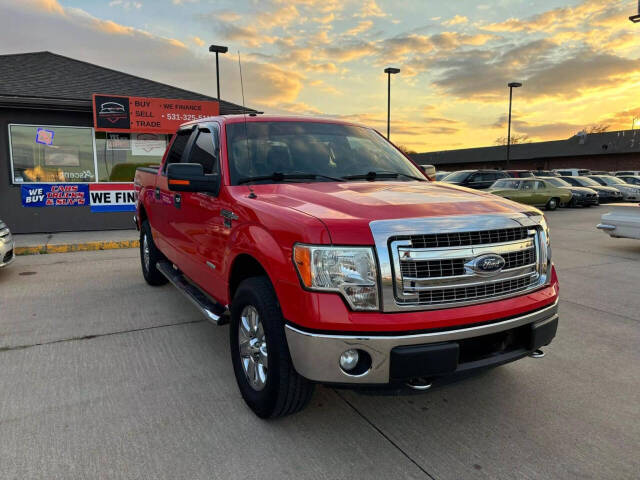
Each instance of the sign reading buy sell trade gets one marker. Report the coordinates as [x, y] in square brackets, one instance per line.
[112, 197]
[115, 113]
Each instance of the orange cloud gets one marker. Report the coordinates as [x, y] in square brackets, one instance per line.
[457, 20]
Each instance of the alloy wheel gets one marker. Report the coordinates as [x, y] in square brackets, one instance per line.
[252, 344]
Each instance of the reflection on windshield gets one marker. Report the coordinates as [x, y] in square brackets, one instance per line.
[260, 149]
[506, 183]
[585, 182]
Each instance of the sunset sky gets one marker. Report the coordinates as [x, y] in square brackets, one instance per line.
[578, 60]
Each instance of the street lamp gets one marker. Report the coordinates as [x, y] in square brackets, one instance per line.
[636, 18]
[389, 71]
[218, 49]
[511, 86]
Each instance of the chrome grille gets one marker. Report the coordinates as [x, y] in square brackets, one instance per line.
[452, 268]
[431, 269]
[462, 239]
[477, 292]
[447, 274]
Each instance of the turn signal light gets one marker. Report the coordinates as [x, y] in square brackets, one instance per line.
[302, 257]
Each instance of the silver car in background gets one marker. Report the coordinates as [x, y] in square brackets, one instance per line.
[7, 254]
[629, 192]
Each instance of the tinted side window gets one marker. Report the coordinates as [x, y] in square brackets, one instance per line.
[204, 153]
[177, 147]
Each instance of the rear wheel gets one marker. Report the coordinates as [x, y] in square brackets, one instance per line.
[150, 256]
[552, 204]
[261, 361]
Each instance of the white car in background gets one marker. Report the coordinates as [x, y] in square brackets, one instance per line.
[6, 245]
[622, 222]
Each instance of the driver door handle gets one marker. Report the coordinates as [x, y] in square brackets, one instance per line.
[157, 193]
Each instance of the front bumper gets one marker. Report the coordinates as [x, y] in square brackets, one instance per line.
[432, 354]
[7, 253]
[584, 200]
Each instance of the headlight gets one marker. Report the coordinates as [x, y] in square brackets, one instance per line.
[350, 271]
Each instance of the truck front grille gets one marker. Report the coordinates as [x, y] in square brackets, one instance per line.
[463, 239]
[478, 292]
[441, 269]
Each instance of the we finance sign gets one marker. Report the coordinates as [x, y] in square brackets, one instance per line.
[112, 197]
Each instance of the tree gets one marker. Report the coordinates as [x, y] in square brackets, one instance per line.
[597, 128]
[516, 138]
[404, 149]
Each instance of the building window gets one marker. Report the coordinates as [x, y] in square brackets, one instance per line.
[119, 154]
[45, 153]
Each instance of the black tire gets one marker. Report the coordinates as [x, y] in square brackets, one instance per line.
[552, 204]
[284, 391]
[149, 270]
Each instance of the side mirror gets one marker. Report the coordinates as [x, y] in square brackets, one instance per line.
[429, 171]
[190, 177]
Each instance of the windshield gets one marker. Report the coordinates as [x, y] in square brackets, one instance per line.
[557, 182]
[457, 177]
[612, 180]
[587, 182]
[507, 184]
[324, 151]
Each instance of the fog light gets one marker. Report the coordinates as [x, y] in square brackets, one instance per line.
[349, 360]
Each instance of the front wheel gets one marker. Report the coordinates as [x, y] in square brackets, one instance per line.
[552, 204]
[261, 361]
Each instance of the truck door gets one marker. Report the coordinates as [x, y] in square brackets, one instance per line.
[164, 199]
[200, 225]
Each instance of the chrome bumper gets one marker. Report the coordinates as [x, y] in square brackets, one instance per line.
[316, 356]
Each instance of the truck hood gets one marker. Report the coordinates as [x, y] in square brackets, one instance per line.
[347, 208]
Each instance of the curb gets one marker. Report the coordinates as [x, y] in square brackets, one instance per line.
[76, 247]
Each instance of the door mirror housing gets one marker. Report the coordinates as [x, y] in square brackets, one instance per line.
[429, 171]
[190, 177]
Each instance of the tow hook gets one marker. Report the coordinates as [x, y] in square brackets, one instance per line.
[537, 354]
[419, 384]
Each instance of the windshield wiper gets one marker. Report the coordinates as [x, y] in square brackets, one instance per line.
[371, 176]
[281, 177]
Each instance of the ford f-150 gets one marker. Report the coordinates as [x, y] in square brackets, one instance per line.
[336, 261]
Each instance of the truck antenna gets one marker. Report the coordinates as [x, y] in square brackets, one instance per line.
[244, 113]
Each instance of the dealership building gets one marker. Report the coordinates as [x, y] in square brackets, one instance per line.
[73, 133]
[609, 151]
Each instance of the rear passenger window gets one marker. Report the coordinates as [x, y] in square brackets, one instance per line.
[204, 153]
[177, 147]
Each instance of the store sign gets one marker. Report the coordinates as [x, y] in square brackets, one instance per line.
[114, 113]
[55, 195]
[148, 144]
[112, 197]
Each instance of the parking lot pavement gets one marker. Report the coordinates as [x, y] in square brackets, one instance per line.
[104, 377]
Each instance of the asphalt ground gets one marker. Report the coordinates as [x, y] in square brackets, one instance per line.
[102, 376]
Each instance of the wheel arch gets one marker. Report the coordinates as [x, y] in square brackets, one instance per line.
[242, 267]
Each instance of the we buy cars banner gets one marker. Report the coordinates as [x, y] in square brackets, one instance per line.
[116, 113]
[112, 197]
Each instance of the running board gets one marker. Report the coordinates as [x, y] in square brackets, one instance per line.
[214, 312]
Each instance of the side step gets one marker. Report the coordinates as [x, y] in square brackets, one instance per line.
[214, 312]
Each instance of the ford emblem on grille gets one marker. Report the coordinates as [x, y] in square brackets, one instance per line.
[489, 264]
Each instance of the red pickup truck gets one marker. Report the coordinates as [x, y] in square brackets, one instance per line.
[337, 262]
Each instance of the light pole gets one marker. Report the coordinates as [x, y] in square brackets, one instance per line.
[511, 86]
[218, 49]
[389, 71]
[636, 18]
